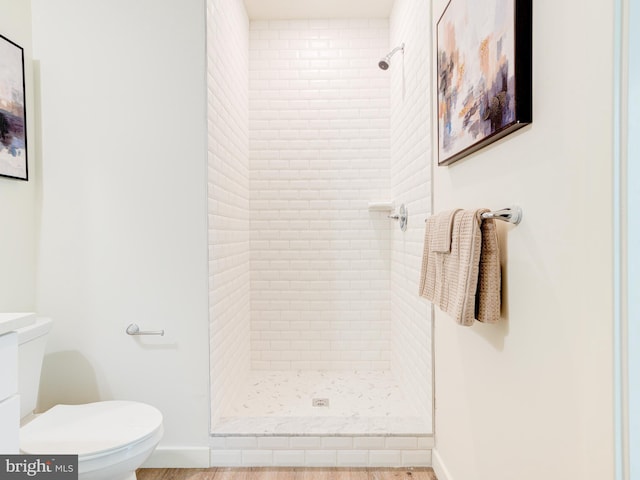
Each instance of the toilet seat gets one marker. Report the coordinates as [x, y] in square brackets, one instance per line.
[90, 430]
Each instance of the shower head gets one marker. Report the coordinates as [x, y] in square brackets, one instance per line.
[386, 61]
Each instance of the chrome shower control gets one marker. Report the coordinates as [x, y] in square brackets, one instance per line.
[402, 216]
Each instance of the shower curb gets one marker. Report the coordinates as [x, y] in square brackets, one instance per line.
[321, 451]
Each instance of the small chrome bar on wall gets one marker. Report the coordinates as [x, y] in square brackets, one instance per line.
[511, 214]
[134, 329]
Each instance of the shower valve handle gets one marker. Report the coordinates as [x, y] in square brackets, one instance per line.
[402, 216]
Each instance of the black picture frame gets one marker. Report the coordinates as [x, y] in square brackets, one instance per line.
[484, 74]
[13, 112]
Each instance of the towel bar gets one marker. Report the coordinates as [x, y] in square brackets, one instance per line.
[511, 214]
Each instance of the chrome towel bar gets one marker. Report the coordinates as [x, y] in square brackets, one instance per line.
[511, 214]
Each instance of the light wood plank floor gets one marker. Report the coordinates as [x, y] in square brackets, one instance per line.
[297, 473]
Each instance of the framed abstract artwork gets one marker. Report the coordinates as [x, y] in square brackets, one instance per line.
[13, 118]
[483, 74]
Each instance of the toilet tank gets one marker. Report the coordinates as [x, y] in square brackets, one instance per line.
[32, 341]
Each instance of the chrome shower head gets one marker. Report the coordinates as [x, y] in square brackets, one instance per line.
[386, 61]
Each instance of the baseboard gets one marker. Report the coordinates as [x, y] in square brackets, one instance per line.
[438, 466]
[178, 457]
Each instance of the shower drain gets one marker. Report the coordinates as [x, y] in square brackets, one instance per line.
[320, 402]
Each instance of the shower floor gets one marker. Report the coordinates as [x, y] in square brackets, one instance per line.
[359, 403]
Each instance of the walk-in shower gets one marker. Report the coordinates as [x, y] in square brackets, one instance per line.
[316, 325]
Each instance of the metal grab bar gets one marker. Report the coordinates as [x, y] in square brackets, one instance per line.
[510, 214]
[133, 329]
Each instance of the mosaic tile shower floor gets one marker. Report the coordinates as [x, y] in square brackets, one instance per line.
[360, 403]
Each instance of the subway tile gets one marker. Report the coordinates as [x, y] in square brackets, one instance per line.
[426, 442]
[368, 443]
[320, 458]
[241, 443]
[217, 443]
[416, 458]
[385, 458]
[305, 442]
[289, 458]
[226, 458]
[401, 443]
[228, 192]
[353, 458]
[273, 443]
[337, 442]
[257, 458]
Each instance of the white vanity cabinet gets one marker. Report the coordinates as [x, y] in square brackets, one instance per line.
[9, 399]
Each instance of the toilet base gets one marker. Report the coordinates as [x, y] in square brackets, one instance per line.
[119, 465]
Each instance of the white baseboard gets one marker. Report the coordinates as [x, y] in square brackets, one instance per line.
[178, 457]
[438, 466]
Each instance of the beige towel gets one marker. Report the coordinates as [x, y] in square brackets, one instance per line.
[489, 278]
[463, 280]
[442, 228]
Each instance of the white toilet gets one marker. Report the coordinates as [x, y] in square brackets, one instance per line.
[112, 439]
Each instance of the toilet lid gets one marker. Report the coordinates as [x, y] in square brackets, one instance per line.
[90, 428]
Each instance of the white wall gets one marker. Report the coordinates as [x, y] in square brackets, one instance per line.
[18, 198]
[531, 396]
[411, 185]
[123, 232]
[319, 150]
[228, 111]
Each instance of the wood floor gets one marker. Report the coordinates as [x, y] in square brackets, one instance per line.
[297, 473]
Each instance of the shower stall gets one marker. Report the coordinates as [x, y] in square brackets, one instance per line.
[316, 328]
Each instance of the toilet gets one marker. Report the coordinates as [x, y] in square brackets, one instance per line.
[111, 438]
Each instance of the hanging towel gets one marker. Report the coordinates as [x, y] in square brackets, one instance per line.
[462, 278]
[442, 229]
[489, 278]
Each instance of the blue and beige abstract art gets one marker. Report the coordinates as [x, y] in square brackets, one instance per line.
[477, 72]
[13, 135]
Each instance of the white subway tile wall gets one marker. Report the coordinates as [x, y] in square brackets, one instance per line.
[319, 152]
[411, 185]
[228, 196]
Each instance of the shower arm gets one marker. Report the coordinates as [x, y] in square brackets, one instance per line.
[392, 52]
